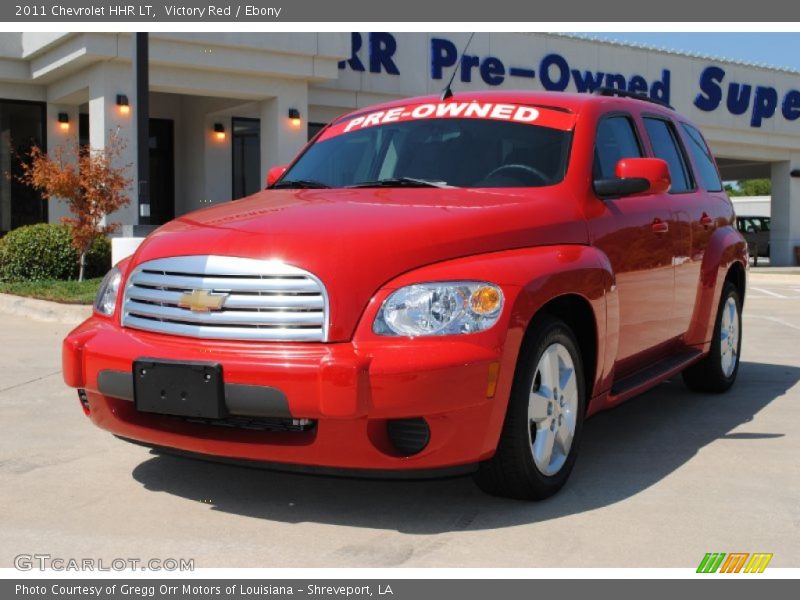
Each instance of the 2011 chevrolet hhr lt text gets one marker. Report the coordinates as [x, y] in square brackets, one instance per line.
[432, 286]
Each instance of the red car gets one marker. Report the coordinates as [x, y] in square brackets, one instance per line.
[432, 286]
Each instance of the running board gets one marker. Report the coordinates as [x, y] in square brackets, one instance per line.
[645, 379]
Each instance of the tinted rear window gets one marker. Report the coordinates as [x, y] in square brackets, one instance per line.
[706, 170]
[664, 140]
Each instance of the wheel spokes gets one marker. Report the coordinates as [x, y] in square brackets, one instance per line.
[564, 435]
[543, 447]
[538, 407]
[729, 337]
[549, 368]
[731, 311]
[552, 409]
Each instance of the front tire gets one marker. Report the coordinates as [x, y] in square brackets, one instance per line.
[544, 420]
[717, 371]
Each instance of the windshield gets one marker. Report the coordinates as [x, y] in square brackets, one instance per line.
[435, 152]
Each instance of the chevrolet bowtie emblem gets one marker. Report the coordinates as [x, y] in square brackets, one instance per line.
[202, 301]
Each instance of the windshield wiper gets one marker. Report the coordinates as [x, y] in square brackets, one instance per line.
[300, 184]
[400, 182]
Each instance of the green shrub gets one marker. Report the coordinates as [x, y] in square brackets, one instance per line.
[45, 251]
[98, 258]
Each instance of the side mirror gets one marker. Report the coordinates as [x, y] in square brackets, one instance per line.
[635, 176]
[274, 174]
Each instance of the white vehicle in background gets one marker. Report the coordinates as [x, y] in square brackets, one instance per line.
[753, 222]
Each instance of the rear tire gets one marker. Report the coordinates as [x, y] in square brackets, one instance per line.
[544, 423]
[717, 371]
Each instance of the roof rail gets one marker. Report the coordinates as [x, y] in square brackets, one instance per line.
[612, 91]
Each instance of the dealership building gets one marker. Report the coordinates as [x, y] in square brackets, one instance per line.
[224, 107]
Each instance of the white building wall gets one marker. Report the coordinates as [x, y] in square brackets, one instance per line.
[785, 221]
[68, 140]
[106, 80]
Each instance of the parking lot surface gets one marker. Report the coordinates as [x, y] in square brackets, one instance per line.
[661, 480]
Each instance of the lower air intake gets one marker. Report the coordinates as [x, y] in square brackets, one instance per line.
[409, 436]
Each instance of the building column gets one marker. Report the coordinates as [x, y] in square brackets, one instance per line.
[64, 137]
[217, 170]
[785, 221]
[106, 120]
[280, 139]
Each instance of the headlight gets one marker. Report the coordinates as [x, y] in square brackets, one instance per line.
[107, 294]
[440, 308]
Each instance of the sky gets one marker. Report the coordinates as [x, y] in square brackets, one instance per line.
[773, 49]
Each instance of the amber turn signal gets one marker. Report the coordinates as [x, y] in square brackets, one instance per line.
[485, 300]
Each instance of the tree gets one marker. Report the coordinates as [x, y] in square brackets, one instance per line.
[88, 181]
[756, 187]
[750, 187]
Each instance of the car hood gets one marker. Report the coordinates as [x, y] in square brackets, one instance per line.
[356, 240]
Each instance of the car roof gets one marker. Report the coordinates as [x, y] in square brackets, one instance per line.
[572, 102]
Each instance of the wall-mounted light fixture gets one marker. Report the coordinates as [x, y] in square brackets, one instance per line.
[795, 173]
[63, 121]
[219, 131]
[294, 117]
[123, 105]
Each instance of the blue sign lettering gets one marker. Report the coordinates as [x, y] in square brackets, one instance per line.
[467, 64]
[739, 98]
[660, 88]
[791, 106]
[382, 47]
[588, 81]
[493, 72]
[764, 104]
[556, 74]
[443, 55]
[354, 62]
[710, 93]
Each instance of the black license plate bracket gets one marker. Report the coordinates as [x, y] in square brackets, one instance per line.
[185, 389]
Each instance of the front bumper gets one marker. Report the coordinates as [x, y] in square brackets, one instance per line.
[349, 391]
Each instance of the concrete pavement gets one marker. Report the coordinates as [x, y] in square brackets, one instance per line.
[660, 481]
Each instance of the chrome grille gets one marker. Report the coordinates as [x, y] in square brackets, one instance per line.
[263, 299]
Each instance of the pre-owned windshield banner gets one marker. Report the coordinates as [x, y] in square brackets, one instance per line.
[453, 109]
[348, 11]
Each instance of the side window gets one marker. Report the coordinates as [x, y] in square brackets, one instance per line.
[664, 140]
[616, 139]
[702, 158]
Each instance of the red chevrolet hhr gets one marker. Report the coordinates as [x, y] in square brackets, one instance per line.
[432, 286]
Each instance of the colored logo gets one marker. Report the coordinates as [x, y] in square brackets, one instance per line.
[202, 301]
[735, 562]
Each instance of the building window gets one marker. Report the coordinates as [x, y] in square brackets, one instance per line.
[246, 143]
[22, 125]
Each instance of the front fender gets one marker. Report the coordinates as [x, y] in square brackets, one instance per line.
[726, 247]
[530, 278]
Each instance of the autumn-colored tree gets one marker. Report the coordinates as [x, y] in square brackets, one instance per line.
[88, 180]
